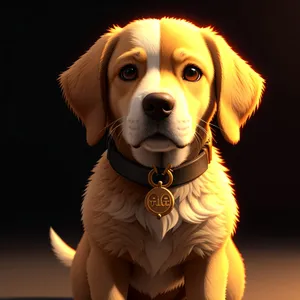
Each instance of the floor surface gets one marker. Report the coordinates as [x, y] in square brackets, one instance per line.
[273, 273]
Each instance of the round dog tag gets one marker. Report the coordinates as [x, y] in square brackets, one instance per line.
[159, 201]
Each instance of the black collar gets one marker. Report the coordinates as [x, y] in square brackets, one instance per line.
[138, 173]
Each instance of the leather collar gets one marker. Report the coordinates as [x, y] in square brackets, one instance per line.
[138, 173]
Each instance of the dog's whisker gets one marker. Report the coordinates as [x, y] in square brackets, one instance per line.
[112, 131]
[198, 141]
[114, 122]
[119, 135]
[116, 126]
[111, 124]
[213, 125]
[205, 132]
[213, 129]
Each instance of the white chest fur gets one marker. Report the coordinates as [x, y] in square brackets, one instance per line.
[203, 217]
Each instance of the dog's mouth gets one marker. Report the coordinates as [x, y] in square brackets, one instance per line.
[158, 143]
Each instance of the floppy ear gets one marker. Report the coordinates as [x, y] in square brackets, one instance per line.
[238, 87]
[81, 85]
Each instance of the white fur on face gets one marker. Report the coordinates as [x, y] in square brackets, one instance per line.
[137, 126]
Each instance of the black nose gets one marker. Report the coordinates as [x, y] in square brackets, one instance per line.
[158, 106]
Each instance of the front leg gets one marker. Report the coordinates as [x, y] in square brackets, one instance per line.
[80, 286]
[206, 279]
[108, 276]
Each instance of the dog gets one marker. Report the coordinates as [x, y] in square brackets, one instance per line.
[156, 84]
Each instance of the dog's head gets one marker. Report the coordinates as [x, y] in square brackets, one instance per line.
[158, 84]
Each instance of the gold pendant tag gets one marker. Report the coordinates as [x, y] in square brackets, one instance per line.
[160, 201]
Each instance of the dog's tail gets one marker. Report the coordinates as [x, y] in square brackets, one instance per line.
[62, 251]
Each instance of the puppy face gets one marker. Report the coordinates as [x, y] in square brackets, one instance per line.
[160, 79]
[164, 80]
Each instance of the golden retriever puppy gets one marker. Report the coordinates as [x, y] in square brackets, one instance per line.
[159, 210]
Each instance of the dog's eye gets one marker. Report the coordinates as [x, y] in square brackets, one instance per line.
[191, 73]
[128, 73]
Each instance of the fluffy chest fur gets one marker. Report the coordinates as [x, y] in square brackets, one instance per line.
[115, 217]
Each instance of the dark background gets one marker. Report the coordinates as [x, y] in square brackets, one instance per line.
[45, 161]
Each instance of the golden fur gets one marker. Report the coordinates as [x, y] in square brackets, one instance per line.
[123, 245]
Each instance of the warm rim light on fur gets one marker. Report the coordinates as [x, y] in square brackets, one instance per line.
[119, 234]
[63, 252]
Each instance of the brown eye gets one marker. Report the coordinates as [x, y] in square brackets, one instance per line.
[128, 73]
[191, 73]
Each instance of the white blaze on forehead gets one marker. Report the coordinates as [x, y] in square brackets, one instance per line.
[146, 34]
